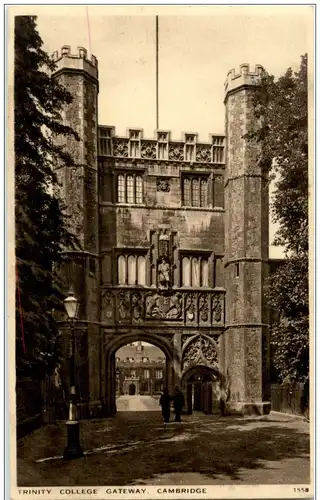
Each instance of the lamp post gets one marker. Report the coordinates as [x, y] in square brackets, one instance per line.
[73, 448]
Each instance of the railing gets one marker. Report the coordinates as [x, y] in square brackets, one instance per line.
[288, 399]
[29, 405]
[149, 305]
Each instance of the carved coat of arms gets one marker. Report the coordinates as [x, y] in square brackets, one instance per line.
[163, 306]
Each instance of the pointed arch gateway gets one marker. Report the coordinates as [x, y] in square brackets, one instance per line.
[201, 378]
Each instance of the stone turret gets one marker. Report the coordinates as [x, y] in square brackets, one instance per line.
[79, 75]
[246, 248]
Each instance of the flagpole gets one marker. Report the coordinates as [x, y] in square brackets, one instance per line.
[157, 72]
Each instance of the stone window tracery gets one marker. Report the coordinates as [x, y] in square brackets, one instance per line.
[105, 142]
[203, 193]
[187, 192]
[131, 270]
[121, 270]
[195, 191]
[134, 148]
[190, 148]
[130, 188]
[159, 374]
[218, 149]
[121, 189]
[139, 195]
[195, 271]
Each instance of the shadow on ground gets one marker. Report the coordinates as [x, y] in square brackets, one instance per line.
[137, 447]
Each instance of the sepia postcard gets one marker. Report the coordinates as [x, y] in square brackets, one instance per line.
[160, 165]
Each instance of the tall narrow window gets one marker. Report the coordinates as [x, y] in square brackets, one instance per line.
[237, 270]
[121, 189]
[195, 192]
[186, 272]
[131, 270]
[139, 198]
[162, 148]
[204, 193]
[204, 273]
[130, 189]
[121, 270]
[141, 270]
[190, 152]
[187, 192]
[195, 272]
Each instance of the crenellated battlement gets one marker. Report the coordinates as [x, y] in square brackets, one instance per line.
[66, 60]
[243, 77]
[161, 147]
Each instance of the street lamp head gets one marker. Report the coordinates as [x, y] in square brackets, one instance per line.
[71, 305]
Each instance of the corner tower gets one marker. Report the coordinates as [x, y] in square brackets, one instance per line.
[79, 190]
[246, 249]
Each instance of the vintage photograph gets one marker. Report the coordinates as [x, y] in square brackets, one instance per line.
[162, 172]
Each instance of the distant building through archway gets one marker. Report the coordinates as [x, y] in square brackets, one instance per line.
[140, 369]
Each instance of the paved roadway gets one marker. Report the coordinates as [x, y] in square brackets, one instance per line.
[135, 447]
[138, 403]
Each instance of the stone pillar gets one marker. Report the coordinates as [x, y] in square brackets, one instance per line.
[79, 192]
[113, 384]
[110, 396]
[246, 247]
[169, 375]
[177, 348]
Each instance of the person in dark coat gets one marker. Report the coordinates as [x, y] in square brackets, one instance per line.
[165, 401]
[178, 403]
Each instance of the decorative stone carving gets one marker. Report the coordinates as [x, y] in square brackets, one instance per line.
[107, 306]
[137, 306]
[75, 207]
[190, 307]
[124, 305]
[148, 150]
[200, 351]
[163, 184]
[120, 147]
[217, 309]
[203, 153]
[204, 307]
[107, 339]
[164, 306]
[176, 151]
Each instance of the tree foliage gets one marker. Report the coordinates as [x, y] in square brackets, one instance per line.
[282, 109]
[41, 226]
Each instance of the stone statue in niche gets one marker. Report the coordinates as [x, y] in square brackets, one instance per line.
[164, 273]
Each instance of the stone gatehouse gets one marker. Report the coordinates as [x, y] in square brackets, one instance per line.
[174, 236]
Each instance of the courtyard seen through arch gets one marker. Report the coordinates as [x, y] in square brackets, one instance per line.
[141, 376]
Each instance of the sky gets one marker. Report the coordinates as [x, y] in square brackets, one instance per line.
[197, 48]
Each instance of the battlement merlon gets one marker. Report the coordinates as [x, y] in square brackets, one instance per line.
[75, 62]
[160, 136]
[245, 77]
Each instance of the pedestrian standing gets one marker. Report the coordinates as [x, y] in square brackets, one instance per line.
[178, 403]
[165, 401]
